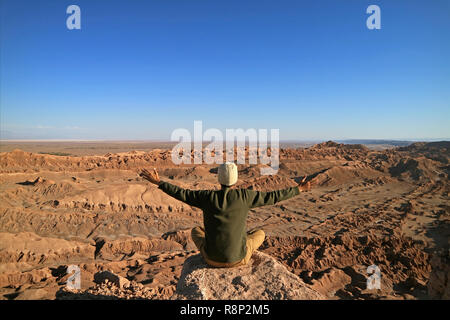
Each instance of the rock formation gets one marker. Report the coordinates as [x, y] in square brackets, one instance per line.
[439, 284]
[263, 278]
[382, 206]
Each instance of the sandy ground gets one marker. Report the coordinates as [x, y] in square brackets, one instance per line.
[384, 207]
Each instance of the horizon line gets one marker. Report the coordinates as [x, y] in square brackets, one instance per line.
[169, 141]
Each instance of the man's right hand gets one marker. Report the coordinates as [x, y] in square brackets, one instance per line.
[304, 185]
[151, 176]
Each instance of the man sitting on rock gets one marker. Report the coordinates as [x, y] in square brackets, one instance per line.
[224, 242]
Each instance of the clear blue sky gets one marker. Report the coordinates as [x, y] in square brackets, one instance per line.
[140, 69]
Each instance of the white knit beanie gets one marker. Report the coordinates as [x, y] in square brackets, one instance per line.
[228, 173]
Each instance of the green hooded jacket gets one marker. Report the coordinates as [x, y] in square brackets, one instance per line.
[224, 215]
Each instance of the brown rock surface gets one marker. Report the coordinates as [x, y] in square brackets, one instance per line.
[439, 284]
[108, 276]
[263, 278]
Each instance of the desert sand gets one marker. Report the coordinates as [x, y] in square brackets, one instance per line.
[384, 207]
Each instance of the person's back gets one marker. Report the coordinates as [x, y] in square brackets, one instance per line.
[224, 218]
[224, 241]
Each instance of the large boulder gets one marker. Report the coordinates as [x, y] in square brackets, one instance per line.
[263, 278]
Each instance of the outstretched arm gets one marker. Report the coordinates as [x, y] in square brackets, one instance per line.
[258, 198]
[191, 197]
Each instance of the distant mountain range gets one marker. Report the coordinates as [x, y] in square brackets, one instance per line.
[395, 143]
[371, 143]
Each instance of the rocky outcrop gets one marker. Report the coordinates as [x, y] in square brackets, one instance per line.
[182, 237]
[108, 276]
[439, 283]
[263, 278]
[110, 286]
